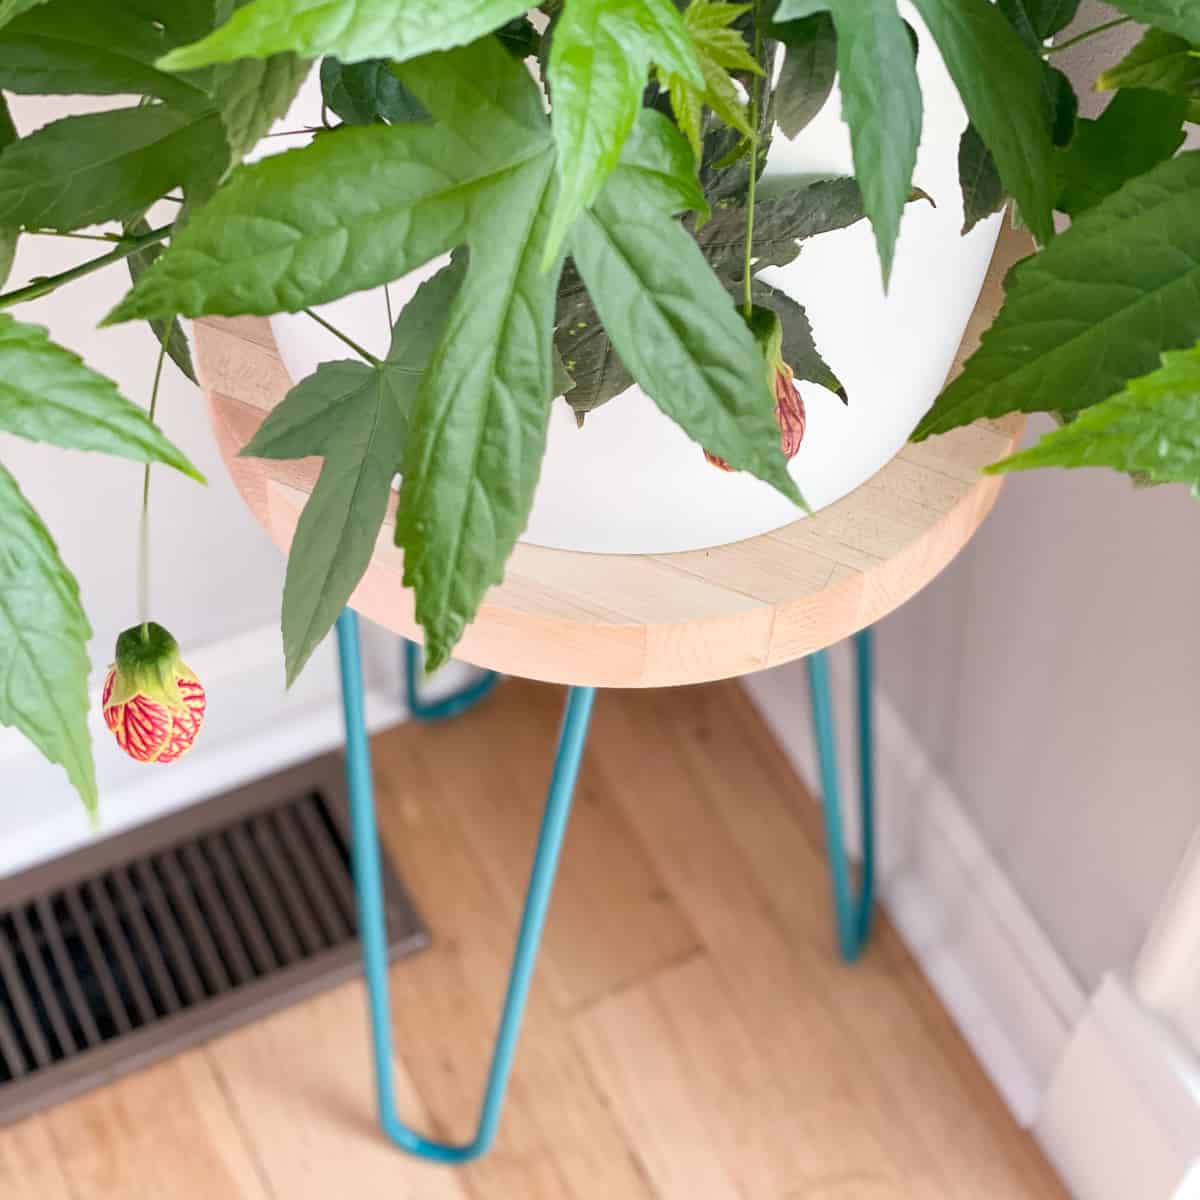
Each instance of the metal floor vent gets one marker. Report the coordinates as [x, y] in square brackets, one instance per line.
[168, 935]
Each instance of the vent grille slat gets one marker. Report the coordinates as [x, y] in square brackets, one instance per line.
[10, 1048]
[296, 908]
[78, 1008]
[174, 932]
[132, 909]
[244, 914]
[42, 986]
[312, 879]
[170, 940]
[229, 945]
[18, 996]
[209, 964]
[100, 971]
[130, 974]
[340, 882]
[279, 931]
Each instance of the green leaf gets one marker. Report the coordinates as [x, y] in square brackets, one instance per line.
[600, 53]
[673, 324]
[1037, 20]
[356, 418]
[9, 234]
[1137, 130]
[177, 344]
[363, 92]
[1161, 61]
[1151, 429]
[48, 394]
[881, 102]
[43, 643]
[1002, 84]
[13, 8]
[808, 73]
[91, 47]
[351, 30]
[1181, 17]
[252, 94]
[103, 166]
[356, 210]
[719, 50]
[982, 188]
[781, 222]
[1095, 308]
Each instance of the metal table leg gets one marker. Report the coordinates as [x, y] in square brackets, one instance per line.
[368, 885]
[854, 913]
[448, 706]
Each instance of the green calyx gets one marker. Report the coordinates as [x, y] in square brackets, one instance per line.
[764, 323]
[147, 664]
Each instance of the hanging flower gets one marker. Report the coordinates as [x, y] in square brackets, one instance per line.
[789, 404]
[152, 701]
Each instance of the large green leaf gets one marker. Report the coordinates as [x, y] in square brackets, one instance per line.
[719, 50]
[1137, 130]
[368, 91]
[1037, 20]
[881, 102]
[600, 53]
[1151, 429]
[1174, 16]
[91, 47]
[13, 8]
[360, 207]
[1161, 61]
[348, 29]
[808, 72]
[356, 418]
[49, 394]
[1095, 308]
[43, 643]
[104, 166]
[1002, 83]
[674, 325]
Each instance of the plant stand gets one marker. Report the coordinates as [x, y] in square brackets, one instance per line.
[603, 620]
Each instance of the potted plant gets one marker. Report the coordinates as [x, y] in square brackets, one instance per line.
[642, 217]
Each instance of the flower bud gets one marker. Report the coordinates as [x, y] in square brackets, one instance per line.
[152, 701]
[789, 404]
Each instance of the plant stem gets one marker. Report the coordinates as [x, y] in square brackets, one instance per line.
[755, 92]
[1087, 33]
[43, 287]
[337, 333]
[144, 529]
[110, 238]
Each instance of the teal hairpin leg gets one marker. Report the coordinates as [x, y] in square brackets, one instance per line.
[371, 921]
[448, 706]
[854, 913]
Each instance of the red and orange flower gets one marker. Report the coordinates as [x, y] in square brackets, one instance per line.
[152, 701]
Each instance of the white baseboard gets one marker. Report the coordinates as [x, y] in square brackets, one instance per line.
[1121, 1117]
[993, 967]
[253, 727]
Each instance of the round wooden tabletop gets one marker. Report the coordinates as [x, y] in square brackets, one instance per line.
[619, 620]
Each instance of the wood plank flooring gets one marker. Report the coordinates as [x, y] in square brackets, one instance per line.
[691, 1034]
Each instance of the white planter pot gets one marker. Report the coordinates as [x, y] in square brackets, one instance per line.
[631, 481]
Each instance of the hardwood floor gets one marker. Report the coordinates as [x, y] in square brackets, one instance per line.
[691, 1034]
